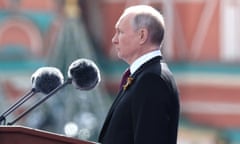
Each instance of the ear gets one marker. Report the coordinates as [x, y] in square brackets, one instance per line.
[143, 35]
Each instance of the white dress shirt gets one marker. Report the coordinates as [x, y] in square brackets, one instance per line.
[143, 59]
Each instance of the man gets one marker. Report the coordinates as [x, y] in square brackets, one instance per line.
[146, 110]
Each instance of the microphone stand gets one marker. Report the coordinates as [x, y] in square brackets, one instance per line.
[23, 99]
[68, 81]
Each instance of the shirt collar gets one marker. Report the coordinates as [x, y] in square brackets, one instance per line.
[144, 58]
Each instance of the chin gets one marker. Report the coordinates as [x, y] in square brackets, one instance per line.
[119, 55]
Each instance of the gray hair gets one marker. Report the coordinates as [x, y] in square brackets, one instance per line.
[149, 18]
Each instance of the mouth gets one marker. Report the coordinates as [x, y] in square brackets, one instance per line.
[116, 48]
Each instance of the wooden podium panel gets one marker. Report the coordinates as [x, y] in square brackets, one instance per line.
[25, 135]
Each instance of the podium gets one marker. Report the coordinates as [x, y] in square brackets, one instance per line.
[26, 135]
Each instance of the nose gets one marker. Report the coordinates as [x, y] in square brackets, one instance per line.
[114, 39]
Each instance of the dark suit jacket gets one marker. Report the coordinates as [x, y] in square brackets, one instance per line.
[147, 112]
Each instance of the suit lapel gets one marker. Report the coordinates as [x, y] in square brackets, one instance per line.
[121, 93]
[109, 115]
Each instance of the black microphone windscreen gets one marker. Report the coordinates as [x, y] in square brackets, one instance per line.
[84, 73]
[46, 79]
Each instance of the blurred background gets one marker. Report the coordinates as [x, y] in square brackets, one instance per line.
[202, 48]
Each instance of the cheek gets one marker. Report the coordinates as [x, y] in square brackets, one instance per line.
[125, 41]
[125, 45]
[127, 48]
[122, 39]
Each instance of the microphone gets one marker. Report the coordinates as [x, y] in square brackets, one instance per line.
[44, 80]
[82, 73]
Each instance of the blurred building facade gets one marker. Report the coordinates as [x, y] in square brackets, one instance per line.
[201, 46]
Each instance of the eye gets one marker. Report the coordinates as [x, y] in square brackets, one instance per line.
[119, 31]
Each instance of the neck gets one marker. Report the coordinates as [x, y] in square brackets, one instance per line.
[142, 51]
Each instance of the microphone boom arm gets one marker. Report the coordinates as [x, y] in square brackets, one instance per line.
[68, 81]
[23, 99]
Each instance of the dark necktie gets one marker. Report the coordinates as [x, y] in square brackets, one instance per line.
[125, 76]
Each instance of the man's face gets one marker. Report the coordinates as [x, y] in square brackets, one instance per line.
[125, 40]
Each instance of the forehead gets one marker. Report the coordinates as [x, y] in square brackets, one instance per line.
[124, 20]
